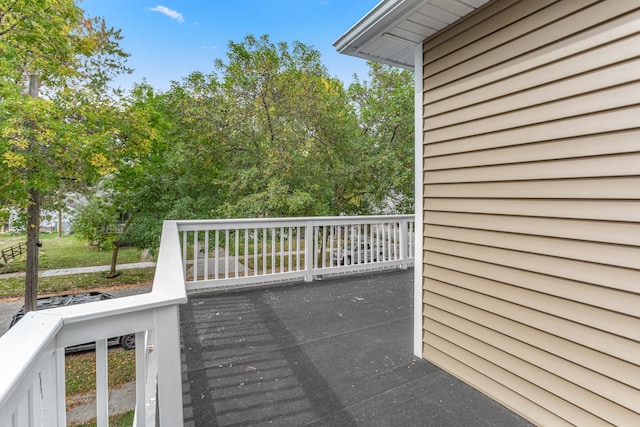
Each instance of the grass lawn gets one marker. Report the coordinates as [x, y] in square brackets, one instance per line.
[14, 287]
[66, 252]
[81, 370]
[122, 420]
[81, 378]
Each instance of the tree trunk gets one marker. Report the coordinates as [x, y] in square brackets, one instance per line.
[33, 231]
[114, 259]
[33, 245]
[116, 246]
[60, 223]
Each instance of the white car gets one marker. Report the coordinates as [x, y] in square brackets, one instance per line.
[347, 256]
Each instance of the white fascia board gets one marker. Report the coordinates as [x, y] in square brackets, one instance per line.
[375, 24]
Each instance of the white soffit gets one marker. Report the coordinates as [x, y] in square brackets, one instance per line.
[389, 32]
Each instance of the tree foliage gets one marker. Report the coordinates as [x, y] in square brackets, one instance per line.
[59, 122]
[70, 133]
[292, 129]
[269, 133]
[384, 105]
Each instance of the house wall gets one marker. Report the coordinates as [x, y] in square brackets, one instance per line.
[531, 273]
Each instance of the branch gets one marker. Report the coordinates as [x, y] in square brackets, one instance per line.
[4, 15]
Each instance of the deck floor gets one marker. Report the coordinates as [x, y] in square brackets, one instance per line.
[336, 352]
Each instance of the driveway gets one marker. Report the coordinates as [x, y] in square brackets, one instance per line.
[7, 308]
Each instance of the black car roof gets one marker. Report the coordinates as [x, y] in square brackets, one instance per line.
[61, 301]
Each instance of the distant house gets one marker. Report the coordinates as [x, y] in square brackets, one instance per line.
[528, 164]
[50, 221]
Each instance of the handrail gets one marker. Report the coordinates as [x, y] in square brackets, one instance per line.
[32, 390]
[248, 252]
[32, 344]
[32, 384]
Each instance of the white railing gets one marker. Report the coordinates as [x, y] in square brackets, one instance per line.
[229, 253]
[213, 254]
[32, 382]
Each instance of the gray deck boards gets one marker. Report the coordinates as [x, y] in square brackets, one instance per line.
[336, 352]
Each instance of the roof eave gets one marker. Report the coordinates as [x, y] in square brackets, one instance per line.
[372, 25]
[392, 29]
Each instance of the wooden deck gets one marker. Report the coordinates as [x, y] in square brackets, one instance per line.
[334, 353]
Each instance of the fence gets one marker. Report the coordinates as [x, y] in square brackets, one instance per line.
[9, 254]
[229, 253]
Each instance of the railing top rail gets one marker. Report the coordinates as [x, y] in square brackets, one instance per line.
[23, 346]
[34, 338]
[212, 224]
[112, 307]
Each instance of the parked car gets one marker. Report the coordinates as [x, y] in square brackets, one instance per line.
[346, 256]
[127, 342]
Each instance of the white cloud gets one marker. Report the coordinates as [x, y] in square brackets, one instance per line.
[173, 14]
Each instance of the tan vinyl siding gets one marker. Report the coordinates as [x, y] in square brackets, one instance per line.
[532, 207]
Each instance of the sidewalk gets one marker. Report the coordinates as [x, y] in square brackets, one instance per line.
[82, 407]
[81, 270]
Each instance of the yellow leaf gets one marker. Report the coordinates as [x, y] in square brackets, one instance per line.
[14, 160]
[100, 161]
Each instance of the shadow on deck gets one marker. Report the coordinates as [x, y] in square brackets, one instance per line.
[337, 352]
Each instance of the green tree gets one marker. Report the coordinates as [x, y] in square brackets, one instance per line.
[58, 121]
[115, 201]
[101, 221]
[289, 131]
[147, 186]
[268, 133]
[384, 105]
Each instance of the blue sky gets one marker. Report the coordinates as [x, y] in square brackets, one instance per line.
[169, 39]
